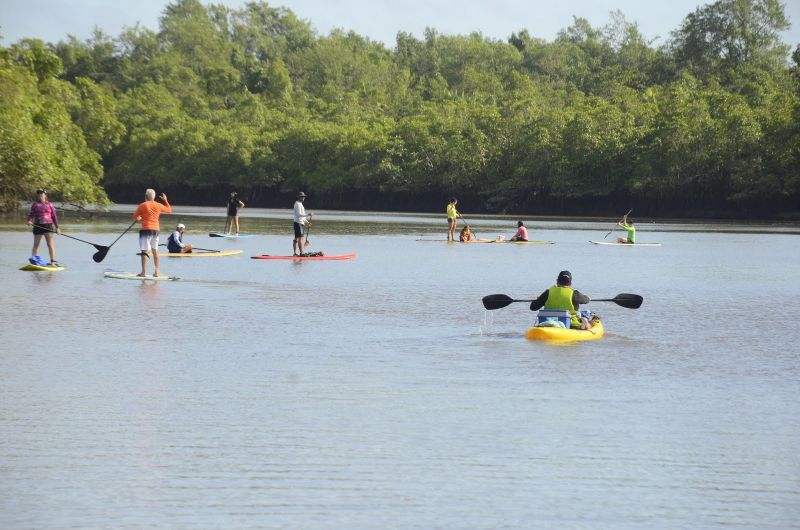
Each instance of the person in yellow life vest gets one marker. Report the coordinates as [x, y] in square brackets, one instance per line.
[466, 235]
[563, 297]
[452, 215]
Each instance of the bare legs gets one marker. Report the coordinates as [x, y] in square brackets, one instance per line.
[37, 238]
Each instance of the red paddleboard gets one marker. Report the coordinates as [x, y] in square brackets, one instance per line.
[307, 258]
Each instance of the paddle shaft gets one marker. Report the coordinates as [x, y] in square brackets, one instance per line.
[474, 233]
[194, 248]
[624, 216]
[498, 301]
[71, 237]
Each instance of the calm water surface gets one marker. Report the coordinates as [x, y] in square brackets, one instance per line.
[379, 393]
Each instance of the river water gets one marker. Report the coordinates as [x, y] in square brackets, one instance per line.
[378, 393]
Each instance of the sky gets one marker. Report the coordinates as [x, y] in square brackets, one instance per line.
[380, 20]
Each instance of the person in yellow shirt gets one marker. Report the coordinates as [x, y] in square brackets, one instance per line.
[452, 215]
[149, 213]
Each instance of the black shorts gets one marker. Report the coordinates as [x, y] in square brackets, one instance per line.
[298, 230]
[40, 229]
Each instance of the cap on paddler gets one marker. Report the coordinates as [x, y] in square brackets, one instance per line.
[564, 278]
[180, 227]
[301, 194]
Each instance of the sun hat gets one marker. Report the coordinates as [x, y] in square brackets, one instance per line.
[301, 194]
[181, 226]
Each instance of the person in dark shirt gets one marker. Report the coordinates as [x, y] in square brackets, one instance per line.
[563, 297]
[233, 213]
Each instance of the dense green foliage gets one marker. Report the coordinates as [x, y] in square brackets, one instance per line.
[253, 99]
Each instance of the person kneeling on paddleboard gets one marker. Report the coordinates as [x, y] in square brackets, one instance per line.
[562, 297]
[175, 242]
[628, 227]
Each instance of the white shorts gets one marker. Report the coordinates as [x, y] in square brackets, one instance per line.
[148, 239]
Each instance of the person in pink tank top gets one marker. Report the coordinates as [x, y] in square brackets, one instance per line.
[44, 220]
[522, 232]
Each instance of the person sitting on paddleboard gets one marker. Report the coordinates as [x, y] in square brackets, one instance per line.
[452, 215]
[562, 297]
[628, 227]
[175, 242]
[44, 220]
[301, 219]
[522, 232]
[466, 235]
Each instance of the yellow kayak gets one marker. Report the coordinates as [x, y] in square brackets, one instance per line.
[200, 254]
[564, 334]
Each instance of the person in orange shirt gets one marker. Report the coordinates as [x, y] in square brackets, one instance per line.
[148, 213]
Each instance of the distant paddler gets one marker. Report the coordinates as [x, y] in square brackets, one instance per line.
[44, 220]
[175, 242]
[149, 213]
[522, 232]
[452, 216]
[628, 226]
[301, 220]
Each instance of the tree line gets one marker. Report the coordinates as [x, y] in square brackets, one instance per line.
[253, 99]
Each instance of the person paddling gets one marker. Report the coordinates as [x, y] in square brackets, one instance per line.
[452, 216]
[149, 213]
[628, 227]
[522, 232]
[175, 242]
[562, 297]
[301, 219]
[44, 220]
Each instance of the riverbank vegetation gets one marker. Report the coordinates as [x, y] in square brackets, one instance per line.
[704, 122]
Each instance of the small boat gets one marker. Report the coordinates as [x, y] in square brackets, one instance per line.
[557, 334]
[201, 254]
[40, 268]
[609, 243]
[118, 275]
[307, 258]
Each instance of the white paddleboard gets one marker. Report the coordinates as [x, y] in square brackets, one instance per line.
[625, 244]
[133, 276]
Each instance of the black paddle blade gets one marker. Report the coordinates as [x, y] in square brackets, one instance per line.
[100, 255]
[631, 301]
[496, 301]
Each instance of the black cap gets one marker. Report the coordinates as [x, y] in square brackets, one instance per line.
[41, 190]
[564, 278]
